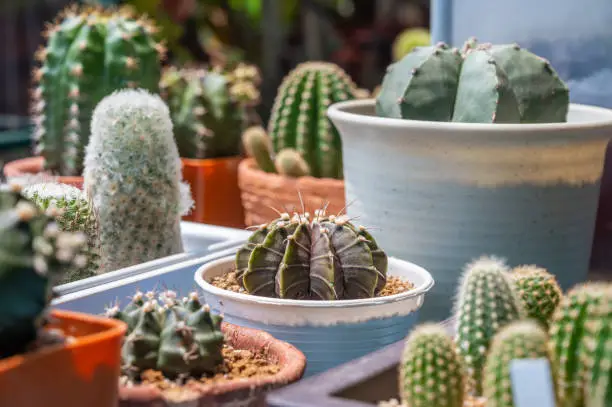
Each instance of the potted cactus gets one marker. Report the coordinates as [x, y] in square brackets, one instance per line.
[319, 282]
[209, 110]
[90, 52]
[301, 149]
[177, 351]
[70, 358]
[475, 150]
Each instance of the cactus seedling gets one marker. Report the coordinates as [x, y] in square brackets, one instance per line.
[133, 176]
[290, 163]
[539, 292]
[326, 258]
[90, 52]
[259, 146]
[486, 302]
[431, 370]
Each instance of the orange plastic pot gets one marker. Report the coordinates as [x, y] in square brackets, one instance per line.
[214, 187]
[81, 373]
[34, 166]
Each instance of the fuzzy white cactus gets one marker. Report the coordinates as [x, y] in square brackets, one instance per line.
[133, 176]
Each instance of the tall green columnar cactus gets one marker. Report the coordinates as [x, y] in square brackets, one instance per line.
[484, 84]
[326, 258]
[90, 52]
[35, 255]
[519, 340]
[133, 176]
[486, 302]
[177, 338]
[538, 290]
[209, 108]
[431, 371]
[299, 119]
[73, 212]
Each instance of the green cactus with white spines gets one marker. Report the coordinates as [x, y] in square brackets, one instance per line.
[35, 255]
[178, 337]
[323, 258]
[524, 339]
[483, 84]
[209, 108]
[431, 371]
[73, 212]
[133, 177]
[487, 301]
[538, 290]
[299, 116]
[90, 53]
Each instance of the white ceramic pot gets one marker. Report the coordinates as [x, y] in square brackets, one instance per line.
[443, 193]
[329, 333]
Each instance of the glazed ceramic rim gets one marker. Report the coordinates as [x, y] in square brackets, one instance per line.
[246, 298]
[344, 111]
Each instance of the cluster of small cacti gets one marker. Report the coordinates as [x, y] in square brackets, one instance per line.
[539, 292]
[90, 52]
[177, 337]
[209, 108]
[323, 258]
[133, 177]
[299, 123]
[483, 83]
[35, 255]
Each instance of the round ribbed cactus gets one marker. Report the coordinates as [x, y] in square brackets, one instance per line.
[326, 258]
[486, 302]
[133, 176]
[209, 108]
[73, 212]
[34, 256]
[484, 84]
[90, 52]
[518, 340]
[538, 290]
[431, 371]
[177, 337]
[299, 115]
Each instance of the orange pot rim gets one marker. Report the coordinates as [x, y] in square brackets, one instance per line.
[210, 162]
[34, 166]
[249, 165]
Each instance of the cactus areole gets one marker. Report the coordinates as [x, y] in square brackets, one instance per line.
[89, 54]
[323, 258]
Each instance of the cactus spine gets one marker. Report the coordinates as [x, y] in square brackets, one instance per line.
[519, 340]
[486, 302]
[539, 292]
[431, 370]
[89, 54]
[133, 176]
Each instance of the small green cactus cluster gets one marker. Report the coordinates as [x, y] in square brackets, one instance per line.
[90, 52]
[73, 212]
[209, 108]
[133, 177]
[538, 290]
[299, 122]
[35, 255]
[177, 337]
[323, 258]
[484, 83]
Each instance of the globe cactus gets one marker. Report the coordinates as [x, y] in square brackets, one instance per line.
[133, 176]
[90, 52]
[326, 258]
[539, 292]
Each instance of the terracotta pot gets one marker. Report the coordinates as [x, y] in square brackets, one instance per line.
[261, 191]
[34, 166]
[214, 187]
[84, 372]
[241, 392]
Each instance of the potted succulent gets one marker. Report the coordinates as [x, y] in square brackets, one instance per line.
[301, 151]
[475, 150]
[319, 282]
[177, 352]
[90, 52]
[70, 358]
[210, 110]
